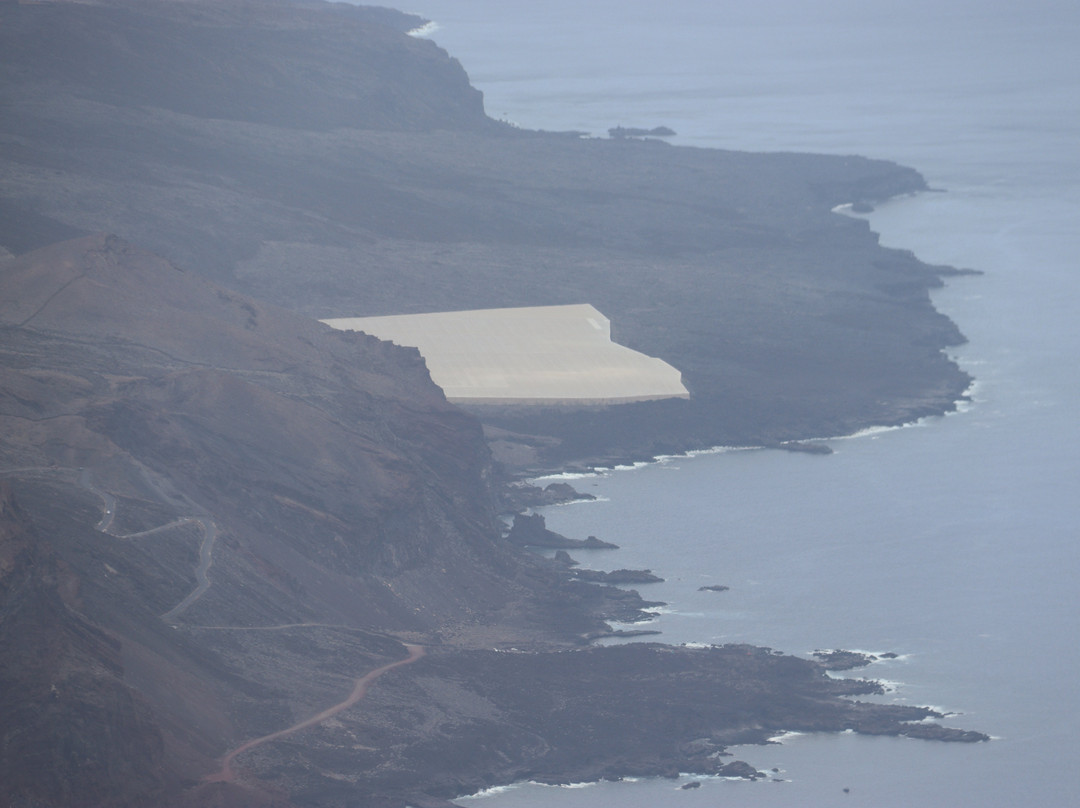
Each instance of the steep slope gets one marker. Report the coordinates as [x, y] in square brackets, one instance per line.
[72, 729]
[179, 461]
[165, 387]
[221, 522]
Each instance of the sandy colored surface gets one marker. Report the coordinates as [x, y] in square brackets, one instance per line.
[540, 354]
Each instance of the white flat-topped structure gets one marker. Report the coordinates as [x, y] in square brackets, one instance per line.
[537, 355]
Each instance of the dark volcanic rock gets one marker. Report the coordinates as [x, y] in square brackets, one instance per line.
[844, 660]
[631, 131]
[521, 715]
[739, 768]
[563, 557]
[521, 496]
[529, 530]
[618, 576]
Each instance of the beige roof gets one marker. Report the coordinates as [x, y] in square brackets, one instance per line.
[540, 354]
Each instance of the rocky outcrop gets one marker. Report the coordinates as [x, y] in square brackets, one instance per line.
[616, 577]
[840, 660]
[521, 496]
[530, 530]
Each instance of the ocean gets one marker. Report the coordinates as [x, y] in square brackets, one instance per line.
[952, 542]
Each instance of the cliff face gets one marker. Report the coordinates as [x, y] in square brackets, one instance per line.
[277, 63]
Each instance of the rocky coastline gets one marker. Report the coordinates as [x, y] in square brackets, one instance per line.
[219, 520]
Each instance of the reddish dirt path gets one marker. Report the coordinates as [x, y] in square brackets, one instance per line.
[226, 775]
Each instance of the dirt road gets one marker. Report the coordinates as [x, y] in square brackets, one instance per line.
[226, 775]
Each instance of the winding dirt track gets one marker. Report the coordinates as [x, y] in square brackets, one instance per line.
[226, 775]
[205, 523]
[206, 558]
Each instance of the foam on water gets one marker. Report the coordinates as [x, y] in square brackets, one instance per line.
[566, 475]
[494, 791]
[424, 31]
[784, 737]
[569, 786]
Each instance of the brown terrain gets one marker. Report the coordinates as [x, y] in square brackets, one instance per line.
[226, 530]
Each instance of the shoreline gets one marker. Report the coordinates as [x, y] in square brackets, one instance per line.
[959, 406]
[587, 467]
[787, 319]
[590, 471]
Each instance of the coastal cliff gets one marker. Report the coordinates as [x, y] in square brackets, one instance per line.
[218, 516]
[327, 162]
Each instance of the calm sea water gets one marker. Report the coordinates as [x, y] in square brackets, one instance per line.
[953, 542]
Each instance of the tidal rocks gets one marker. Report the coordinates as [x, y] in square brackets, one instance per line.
[616, 577]
[620, 132]
[530, 530]
[840, 660]
[563, 557]
[519, 496]
[740, 768]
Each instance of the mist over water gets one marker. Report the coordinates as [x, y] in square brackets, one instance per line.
[952, 542]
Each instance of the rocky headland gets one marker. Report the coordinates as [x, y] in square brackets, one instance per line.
[246, 560]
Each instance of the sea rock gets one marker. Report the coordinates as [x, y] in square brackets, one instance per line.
[618, 576]
[530, 530]
[519, 496]
[563, 557]
[620, 132]
[843, 660]
[740, 768]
